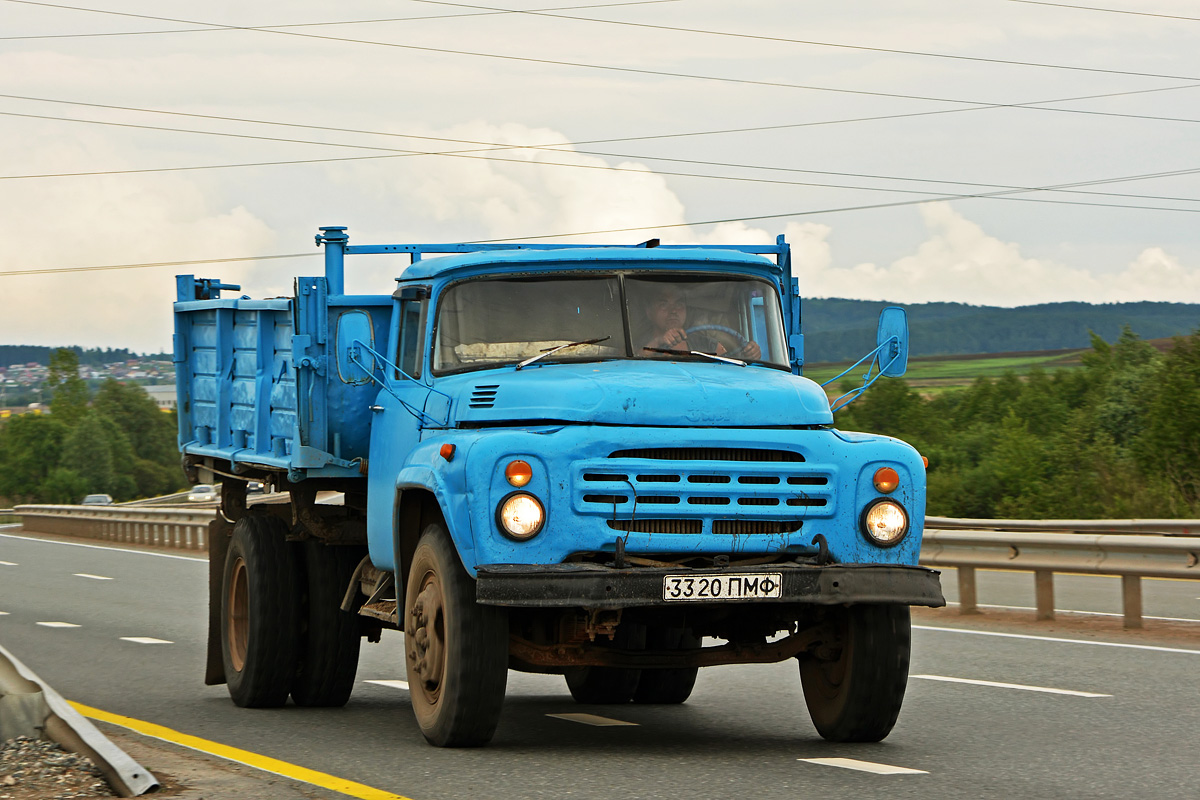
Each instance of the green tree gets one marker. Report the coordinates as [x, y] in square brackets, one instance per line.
[70, 393]
[87, 451]
[1170, 444]
[29, 451]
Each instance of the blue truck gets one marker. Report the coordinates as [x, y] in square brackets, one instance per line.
[595, 461]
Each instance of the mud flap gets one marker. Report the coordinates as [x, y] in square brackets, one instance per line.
[219, 532]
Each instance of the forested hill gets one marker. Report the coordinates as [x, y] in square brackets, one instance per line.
[91, 357]
[844, 330]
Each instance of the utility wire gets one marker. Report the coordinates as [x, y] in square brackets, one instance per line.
[325, 24]
[809, 42]
[638, 171]
[1108, 10]
[561, 63]
[474, 154]
[488, 146]
[57, 270]
[754, 218]
[549, 13]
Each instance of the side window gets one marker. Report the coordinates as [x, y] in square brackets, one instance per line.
[412, 334]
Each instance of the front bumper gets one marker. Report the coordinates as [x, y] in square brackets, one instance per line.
[593, 586]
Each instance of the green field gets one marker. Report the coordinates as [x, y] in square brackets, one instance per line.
[937, 373]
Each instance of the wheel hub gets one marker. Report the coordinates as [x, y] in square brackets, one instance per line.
[426, 645]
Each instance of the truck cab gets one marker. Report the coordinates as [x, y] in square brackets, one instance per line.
[602, 462]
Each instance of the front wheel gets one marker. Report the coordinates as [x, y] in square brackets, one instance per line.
[854, 682]
[456, 650]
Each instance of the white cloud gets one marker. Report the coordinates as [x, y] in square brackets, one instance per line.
[960, 262]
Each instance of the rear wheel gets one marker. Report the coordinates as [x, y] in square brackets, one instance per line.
[456, 650]
[330, 639]
[609, 685]
[668, 686]
[854, 683]
[258, 620]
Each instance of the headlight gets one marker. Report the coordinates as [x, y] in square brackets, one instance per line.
[520, 516]
[885, 522]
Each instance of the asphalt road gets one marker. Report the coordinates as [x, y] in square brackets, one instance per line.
[1123, 722]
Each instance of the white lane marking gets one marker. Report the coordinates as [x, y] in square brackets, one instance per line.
[93, 577]
[102, 547]
[9, 564]
[996, 685]
[1056, 639]
[59, 625]
[1068, 611]
[3, 613]
[864, 766]
[391, 684]
[592, 719]
[144, 640]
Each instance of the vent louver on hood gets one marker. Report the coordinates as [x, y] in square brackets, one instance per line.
[483, 395]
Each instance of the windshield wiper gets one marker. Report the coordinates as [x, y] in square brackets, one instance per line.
[554, 350]
[713, 356]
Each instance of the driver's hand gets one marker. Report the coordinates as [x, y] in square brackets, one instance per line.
[751, 352]
[675, 339]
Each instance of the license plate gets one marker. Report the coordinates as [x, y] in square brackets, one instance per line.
[694, 588]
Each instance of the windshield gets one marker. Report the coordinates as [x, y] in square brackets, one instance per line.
[492, 321]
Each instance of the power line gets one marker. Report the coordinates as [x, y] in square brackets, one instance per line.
[318, 24]
[475, 154]
[57, 270]
[754, 218]
[549, 13]
[490, 147]
[556, 62]
[731, 178]
[811, 43]
[552, 147]
[1108, 10]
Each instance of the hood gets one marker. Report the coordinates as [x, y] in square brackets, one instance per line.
[643, 392]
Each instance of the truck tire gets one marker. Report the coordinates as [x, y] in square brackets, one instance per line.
[609, 685]
[667, 686]
[329, 637]
[855, 695]
[456, 650]
[258, 616]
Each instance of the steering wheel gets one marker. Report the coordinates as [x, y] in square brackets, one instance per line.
[741, 341]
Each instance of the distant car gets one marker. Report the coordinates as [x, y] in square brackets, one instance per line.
[97, 500]
[202, 493]
[255, 487]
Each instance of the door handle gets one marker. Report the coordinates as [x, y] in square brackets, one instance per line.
[377, 408]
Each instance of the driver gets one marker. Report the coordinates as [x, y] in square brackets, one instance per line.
[667, 312]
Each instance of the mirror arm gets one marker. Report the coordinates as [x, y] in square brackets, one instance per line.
[354, 355]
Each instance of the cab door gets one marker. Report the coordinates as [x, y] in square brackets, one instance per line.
[396, 420]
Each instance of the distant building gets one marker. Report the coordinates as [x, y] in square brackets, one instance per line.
[163, 396]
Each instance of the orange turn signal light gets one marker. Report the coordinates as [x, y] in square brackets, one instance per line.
[518, 473]
[886, 480]
[447, 452]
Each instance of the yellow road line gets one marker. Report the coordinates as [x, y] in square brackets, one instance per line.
[265, 763]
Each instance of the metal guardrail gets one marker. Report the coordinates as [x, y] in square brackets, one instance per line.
[1129, 549]
[1142, 549]
[185, 529]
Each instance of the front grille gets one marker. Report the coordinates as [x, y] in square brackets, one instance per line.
[710, 454]
[657, 525]
[748, 527]
[736, 491]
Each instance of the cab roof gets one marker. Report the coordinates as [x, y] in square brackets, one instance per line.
[514, 261]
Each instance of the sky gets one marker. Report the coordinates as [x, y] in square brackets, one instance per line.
[992, 152]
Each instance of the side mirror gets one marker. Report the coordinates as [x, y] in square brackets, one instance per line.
[892, 340]
[355, 363]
